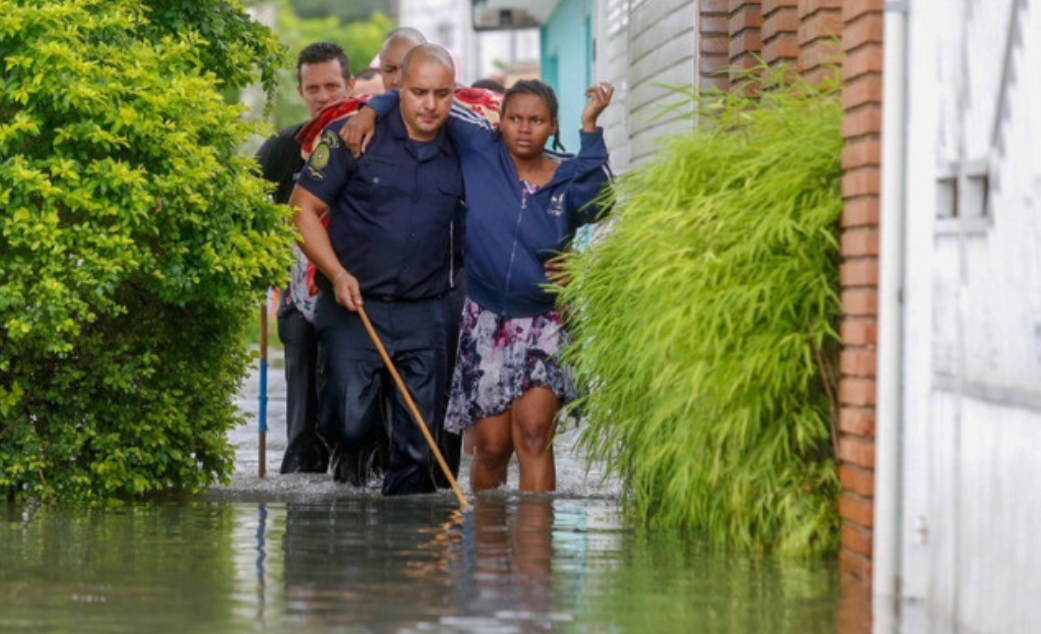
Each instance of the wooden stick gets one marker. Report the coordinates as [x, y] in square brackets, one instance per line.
[416, 416]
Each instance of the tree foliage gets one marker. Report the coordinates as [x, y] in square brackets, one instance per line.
[360, 39]
[345, 11]
[705, 322]
[135, 242]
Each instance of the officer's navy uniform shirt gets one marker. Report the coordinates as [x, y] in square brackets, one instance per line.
[391, 210]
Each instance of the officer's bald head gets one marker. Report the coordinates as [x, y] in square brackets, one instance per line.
[426, 54]
[427, 88]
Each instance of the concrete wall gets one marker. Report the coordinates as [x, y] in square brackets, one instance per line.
[972, 365]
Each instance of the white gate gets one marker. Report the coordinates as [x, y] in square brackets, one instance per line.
[972, 365]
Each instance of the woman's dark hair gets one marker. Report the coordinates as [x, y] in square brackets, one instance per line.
[541, 90]
[489, 84]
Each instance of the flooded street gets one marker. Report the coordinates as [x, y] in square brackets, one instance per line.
[302, 554]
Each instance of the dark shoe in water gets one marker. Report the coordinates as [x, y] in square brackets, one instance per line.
[348, 467]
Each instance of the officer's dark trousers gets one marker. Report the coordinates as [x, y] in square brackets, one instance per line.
[356, 391]
[305, 451]
[451, 444]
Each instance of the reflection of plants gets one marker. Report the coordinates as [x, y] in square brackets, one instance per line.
[135, 243]
[706, 318]
[166, 567]
[708, 591]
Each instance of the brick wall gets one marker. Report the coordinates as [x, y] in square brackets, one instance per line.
[780, 30]
[713, 43]
[745, 23]
[862, 22]
[820, 29]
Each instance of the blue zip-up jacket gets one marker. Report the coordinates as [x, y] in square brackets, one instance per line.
[509, 241]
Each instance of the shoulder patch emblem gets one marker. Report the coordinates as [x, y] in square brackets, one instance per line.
[320, 156]
[315, 174]
[330, 138]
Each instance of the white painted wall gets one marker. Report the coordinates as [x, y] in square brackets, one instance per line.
[611, 31]
[972, 366]
[642, 45]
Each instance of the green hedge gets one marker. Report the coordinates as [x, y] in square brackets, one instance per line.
[135, 243]
[705, 322]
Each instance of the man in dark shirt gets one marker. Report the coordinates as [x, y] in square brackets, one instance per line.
[324, 77]
[395, 47]
[389, 245]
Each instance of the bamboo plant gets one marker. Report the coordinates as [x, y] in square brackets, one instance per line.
[705, 322]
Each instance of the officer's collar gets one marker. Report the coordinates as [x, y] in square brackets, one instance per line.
[398, 131]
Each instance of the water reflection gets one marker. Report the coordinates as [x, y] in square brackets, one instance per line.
[104, 570]
[516, 563]
[370, 560]
[506, 571]
[364, 561]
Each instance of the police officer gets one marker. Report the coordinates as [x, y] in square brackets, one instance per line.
[388, 244]
[395, 47]
[323, 77]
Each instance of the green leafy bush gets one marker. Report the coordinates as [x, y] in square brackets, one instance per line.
[360, 38]
[135, 243]
[705, 322]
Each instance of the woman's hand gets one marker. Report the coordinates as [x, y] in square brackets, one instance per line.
[359, 130]
[556, 272]
[599, 97]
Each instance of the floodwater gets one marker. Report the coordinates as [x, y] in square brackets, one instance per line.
[301, 554]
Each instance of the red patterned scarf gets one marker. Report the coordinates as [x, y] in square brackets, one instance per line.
[484, 102]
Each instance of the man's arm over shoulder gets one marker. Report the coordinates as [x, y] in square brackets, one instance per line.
[473, 118]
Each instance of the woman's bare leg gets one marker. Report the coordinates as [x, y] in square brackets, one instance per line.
[493, 447]
[534, 417]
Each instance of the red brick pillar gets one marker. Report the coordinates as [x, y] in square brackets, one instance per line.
[713, 43]
[780, 30]
[820, 27]
[744, 25]
[861, 158]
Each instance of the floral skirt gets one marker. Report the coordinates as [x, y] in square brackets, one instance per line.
[499, 358]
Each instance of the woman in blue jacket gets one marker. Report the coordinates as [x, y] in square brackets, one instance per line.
[524, 205]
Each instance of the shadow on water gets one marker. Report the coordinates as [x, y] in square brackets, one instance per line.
[362, 563]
